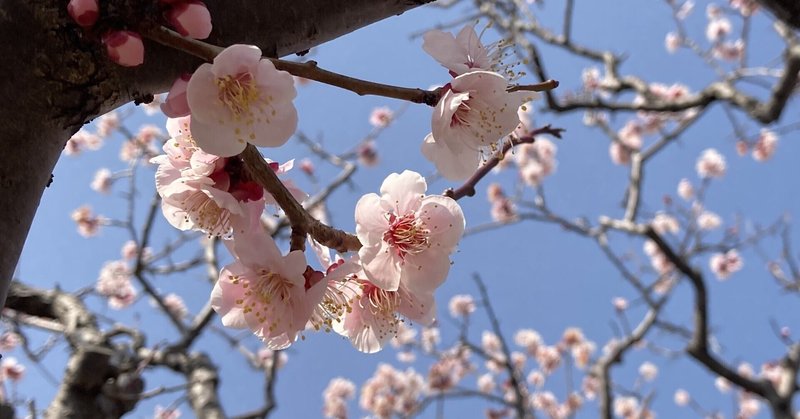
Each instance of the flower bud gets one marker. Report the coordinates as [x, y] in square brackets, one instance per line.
[124, 48]
[84, 12]
[176, 105]
[191, 19]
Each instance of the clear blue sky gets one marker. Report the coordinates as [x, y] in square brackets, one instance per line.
[538, 276]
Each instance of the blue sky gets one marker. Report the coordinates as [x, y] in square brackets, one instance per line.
[538, 276]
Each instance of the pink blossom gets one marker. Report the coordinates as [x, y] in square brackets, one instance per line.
[264, 290]
[591, 79]
[729, 51]
[619, 303]
[486, 383]
[175, 305]
[88, 223]
[102, 181]
[307, 166]
[672, 42]
[536, 161]
[685, 189]
[461, 305]
[503, 211]
[630, 140]
[528, 339]
[722, 385]
[429, 338]
[724, 264]
[201, 191]
[548, 358]
[107, 123]
[648, 371]
[335, 398]
[682, 397]
[582, 353]
[114, 283]
[12, 370]
[471, 116]
[81, 140]
[718, 28]
[390, 392]
[707, 220]
[381, 117]
[84, 12]
[368, 154]
[461, 53]
[374, 313]
[176, 105]
[745, 7]
[665, 223]
[9, 341]
[267, 357]
[124, 48]
[765, 145]
[190, 18]
[711, 164]
[407, 236]
[241, 99]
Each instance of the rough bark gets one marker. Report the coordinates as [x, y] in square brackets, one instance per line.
[55, 77]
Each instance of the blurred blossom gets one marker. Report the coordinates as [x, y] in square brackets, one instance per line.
[368, 154]
[430, 338]
[722, 385]
[619, 303]
[266, 357]
[717, 29]
[682, 397]
[486, 383]
[672, 42]
[9, 341]
[664, 223]
[335, 397]
[648, 371]
[707, 220]
[381, 117]
[107, 123]
[685, 9]
[88, 223]
[166, 412]
[711, 164]
[765, 146]
[10, 369]
[102, 181]
[461, 305]
[114, 282]
[724, 264]
[82, 140]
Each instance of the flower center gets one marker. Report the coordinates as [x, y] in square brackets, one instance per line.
[206, 214]
[460, 115]
[379, 301]
[270, 285]
[407, 234]
[239, 94]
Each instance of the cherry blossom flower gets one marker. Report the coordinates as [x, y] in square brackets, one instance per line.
[765, 145]
[672, 42]
[729, 51]
[374, 313]
[461, 305]
[175, 305]
[707, 220]
[107, 123]
[648, 371]
[407, 236]
[711, 164]
[665, 223]
[190, 18]
[82, 140]
[381, 117]
[717, 29]
[335, 397]
[536, 161]
[201, 191]
[368, 154]
[88, 223]
[114, 283]
[486, 383]
[724, 264]
[619, 303]
[390, 392]
[10, 369]
[9, 341]
[102, 181]
[264, 290]
[471, 116]
[685, 189]
[745, 7]
[682, 397]
[124, 48]
[528, 339]
[84, 12]
[241, 99]
[266, 357]
[461, 53]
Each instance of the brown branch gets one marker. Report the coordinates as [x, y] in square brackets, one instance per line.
[299, 219]
[468, 188]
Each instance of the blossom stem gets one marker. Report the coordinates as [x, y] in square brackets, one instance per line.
[468, 188]
[300, 220]
[309, 69]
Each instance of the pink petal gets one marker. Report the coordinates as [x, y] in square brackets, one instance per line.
[236, 59]
[426, 271]
[371, 223]
[444, 219]
[191, 19]
[404, 191]
[381, 265]
[452, 160]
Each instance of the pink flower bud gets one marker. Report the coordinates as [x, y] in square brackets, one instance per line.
[307, 166]
[176, 105]
[124, 48]
[191, 19]
[84, 12]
